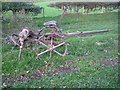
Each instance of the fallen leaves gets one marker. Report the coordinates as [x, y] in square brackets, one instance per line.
[44, 67]
[61, 66]
[90, 62]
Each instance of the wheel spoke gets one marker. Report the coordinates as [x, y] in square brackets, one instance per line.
[58, 53]
[43, 52]
[58, 45]
[43, 44]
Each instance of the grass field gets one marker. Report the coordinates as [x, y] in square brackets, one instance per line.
[49, 11]
[91, 62]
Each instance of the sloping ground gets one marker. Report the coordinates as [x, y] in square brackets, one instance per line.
[12, 26]
[52, 11]
[48, 11]
[92, 61]
[9, 25]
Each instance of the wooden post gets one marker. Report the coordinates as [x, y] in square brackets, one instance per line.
[70, 8]
[78, 8]
[82, 9]
[43, 12]
[25, 16]
[102, 9]
[63, 13]
[74, 8]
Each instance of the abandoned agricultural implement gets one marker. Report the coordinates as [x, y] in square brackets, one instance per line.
[50, 36]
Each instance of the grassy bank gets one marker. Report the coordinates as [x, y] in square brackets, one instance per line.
[91, 62]
[48, 11]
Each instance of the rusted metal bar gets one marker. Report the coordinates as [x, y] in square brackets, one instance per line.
[86, 32]
[55, 42]
[15, 43]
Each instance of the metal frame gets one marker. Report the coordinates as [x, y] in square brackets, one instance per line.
[49, 40]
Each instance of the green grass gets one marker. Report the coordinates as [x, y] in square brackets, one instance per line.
[87, 65]
[52, 12]
[48, 11]
[72, 80]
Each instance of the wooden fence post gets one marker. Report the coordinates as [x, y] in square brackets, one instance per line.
[102, 9]
[82, 9]
[43, 12]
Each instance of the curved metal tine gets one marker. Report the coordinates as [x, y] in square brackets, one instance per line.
[52, 46]
[35, 48]
[42, 29]
[61, 36]
[19, 54]
[20, 50]
[14, 41]
[58, 29]
[12, 49]
[66, 50]
[40, 37]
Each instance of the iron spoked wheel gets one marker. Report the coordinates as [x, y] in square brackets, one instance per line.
[50, 43]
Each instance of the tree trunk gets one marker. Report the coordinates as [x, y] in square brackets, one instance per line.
[14, 15]
[87, 10]
[25, 15]
[78, 7]
[102, 9]
[83, 9]
[63, 13]
[70, 8]
[74, 9]
[43, 12]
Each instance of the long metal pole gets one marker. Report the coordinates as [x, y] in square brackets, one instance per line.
[86, 32]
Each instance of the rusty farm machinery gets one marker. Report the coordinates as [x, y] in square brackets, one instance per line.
[50, 36]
